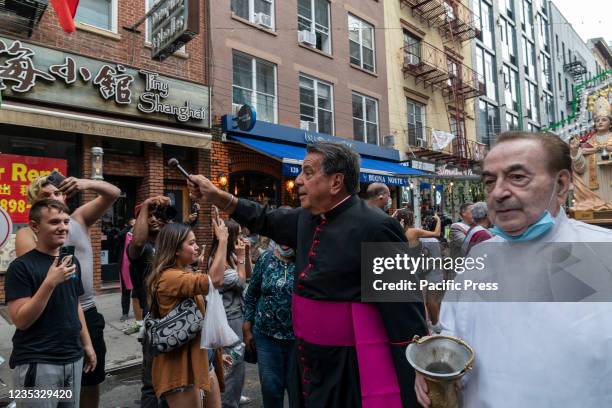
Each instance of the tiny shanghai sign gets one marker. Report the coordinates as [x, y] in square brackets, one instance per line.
[35, 73]
[173, 24]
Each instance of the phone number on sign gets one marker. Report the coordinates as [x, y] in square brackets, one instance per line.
[13, 205]
[30, 394]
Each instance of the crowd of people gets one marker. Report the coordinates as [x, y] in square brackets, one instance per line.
[290, 284]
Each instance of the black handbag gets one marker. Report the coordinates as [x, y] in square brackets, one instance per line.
[181, 325]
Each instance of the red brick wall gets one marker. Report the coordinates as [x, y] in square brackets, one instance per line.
[130, 48]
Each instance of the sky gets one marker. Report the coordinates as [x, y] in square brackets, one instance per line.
[590, 18]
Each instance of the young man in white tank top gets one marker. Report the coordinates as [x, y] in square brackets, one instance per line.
[81, 220]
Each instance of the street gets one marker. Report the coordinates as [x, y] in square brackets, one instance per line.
[123, 389]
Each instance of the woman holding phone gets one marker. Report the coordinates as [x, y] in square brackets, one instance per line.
[179, 375]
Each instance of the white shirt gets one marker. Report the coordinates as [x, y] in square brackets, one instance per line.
[537, 355]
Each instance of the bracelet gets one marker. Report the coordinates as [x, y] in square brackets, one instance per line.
[229, 204]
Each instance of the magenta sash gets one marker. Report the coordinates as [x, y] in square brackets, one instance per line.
[354, 324]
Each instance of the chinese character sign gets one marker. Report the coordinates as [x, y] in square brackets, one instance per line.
[16, 173]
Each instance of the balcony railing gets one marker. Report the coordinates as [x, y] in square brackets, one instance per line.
[426, 63]
[21, 15]
[576, 69]
[430, 65]
[466, 82]
[454, 20]
[422, 145]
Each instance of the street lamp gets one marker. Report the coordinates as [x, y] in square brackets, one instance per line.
[96, 163]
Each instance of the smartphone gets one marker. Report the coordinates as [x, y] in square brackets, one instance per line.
[55, 178]
[64, 252]
[216, 210]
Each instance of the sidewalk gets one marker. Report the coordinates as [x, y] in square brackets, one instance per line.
[122, 351]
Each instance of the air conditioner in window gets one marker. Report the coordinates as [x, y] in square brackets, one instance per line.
[411, 59]
[420, 143]
[262, 19]
[309, 126]
[307, 37]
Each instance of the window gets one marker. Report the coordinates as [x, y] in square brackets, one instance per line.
[527, 18]
[148, 5]
[256, 11]
[316, 104]
[488, 122]
[543, 30]
[254, 83]
[508, 37]
[532, 101]
[484, 14]
[559, 81]
[361, 43]
[511, 88]
[568, 94]
[485, 65]
[512, 122]
[550, 108]
[412, 49]
[546, 71]
[313, 16]
[563, 51]
[365, 118]
[529, 58]
[98, 13]
[416, 123]
[507, 6]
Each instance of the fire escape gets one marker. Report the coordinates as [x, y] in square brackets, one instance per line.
[433, 67]
[18, 16]
[576, 69]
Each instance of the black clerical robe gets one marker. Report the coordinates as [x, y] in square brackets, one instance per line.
[328, 267]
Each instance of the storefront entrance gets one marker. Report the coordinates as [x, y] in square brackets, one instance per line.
[258, 187]
[113, 223]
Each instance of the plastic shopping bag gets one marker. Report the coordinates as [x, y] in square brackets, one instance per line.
[216, 332]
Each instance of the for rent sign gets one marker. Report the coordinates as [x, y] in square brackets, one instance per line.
[16, 174]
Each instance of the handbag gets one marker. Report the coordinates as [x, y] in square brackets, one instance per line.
[181, 325]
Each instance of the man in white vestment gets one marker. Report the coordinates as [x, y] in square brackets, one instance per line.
[534, 354]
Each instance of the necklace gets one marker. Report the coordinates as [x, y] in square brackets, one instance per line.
[281, 282]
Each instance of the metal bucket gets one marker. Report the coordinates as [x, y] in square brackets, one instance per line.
[442, 360]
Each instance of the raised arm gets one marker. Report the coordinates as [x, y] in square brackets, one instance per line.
[421, 233]
[92, 211]
[140, 235]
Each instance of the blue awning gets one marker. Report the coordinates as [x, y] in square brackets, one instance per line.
[372, 170]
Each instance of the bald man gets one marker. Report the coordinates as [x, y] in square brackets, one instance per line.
[379, 196]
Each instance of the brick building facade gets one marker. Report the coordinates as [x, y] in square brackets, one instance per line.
[136, 145]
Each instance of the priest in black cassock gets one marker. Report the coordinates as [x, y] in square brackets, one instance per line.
[349, 354]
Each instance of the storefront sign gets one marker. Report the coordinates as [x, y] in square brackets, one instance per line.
[312, 138]
[41, 74]
[445, 170]
[16, 173]
[173, 24]
[370, 178]
[246, 119]
[286, 134]
[293, 170]
[419, 165]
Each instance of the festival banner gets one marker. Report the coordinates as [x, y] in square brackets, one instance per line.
[16, 173]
